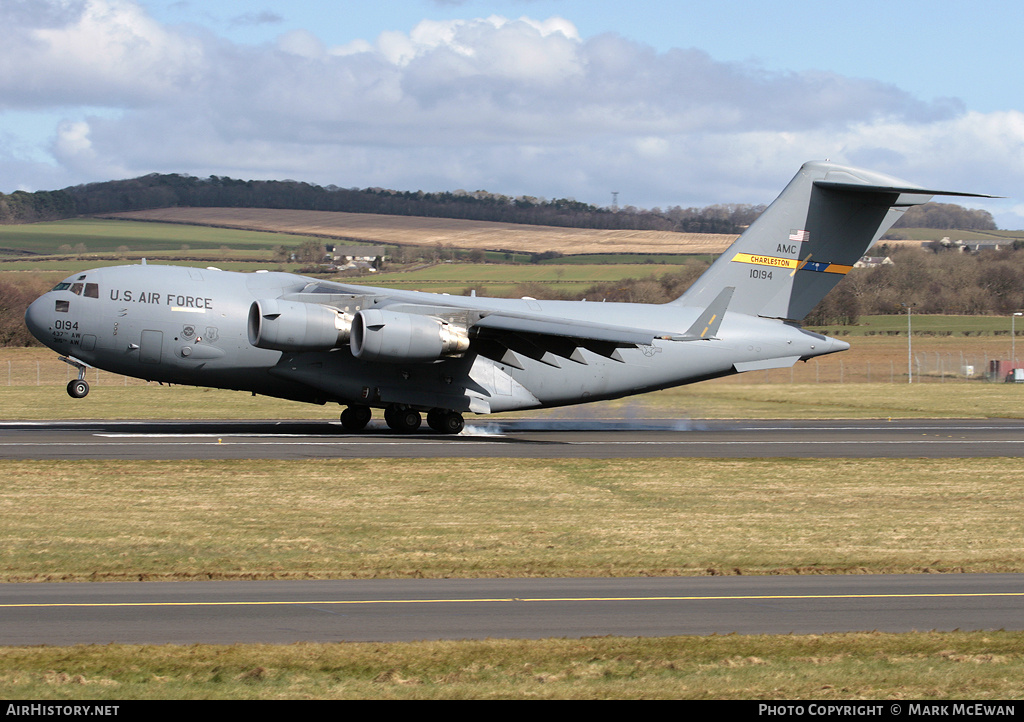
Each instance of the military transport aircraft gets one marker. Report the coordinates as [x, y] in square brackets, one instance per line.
[407, 352]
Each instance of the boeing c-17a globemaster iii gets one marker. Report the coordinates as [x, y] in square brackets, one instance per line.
[408, 352]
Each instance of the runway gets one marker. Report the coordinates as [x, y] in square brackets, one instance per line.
[282, 612]
[518, 438]
[392, 610]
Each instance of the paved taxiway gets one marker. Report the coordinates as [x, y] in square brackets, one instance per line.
[522, 438]
[281, 612]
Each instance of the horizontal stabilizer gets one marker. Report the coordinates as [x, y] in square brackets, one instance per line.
[706, 325]
[765, 364]
[909, 189]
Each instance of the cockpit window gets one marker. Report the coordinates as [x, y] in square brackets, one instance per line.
[76, 288]
[92, 290]
[62, 286]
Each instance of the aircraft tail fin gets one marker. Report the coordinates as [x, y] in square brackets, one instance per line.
[807, 240]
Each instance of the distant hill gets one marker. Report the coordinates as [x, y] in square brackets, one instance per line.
[165, 191]
[175, 190]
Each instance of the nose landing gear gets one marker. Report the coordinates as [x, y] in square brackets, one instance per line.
[79, 388]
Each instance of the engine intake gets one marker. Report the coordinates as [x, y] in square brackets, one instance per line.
[294, 326]
[381, 335]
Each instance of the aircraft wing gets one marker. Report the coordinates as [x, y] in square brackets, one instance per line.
[704, 327]
[499, 331]
[500, 321]
[485, 320]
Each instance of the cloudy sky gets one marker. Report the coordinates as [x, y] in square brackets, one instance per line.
[666, 102]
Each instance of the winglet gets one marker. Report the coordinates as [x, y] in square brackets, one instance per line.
[706, 325]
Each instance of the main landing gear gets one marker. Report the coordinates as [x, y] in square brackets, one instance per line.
[445, 422]
[355, 418]
[403, 419]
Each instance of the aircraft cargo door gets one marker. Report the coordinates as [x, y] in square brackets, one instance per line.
[151, 346]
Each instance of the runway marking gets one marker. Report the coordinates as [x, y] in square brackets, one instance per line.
[342, 602]
[425, 442]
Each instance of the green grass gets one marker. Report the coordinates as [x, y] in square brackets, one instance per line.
[237, 250]
[678, 259]
[937, 234]
[927, 325]
[114, 397]
[108, 235]
[831, 667]
[177, 520]
[502, 279]
[521, 273]
[392, 518]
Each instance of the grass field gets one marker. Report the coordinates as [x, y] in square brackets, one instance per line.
[500, 280]
[863, 667]
[104, 236]
[78, 520]
[117, 398]
[391, 518]
[201, 520]
[34, 249]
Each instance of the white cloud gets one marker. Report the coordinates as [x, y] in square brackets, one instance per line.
[95, 52]
[302, 43]
[511, 105]
[73, 139]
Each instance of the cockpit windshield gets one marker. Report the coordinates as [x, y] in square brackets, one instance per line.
[77, 287]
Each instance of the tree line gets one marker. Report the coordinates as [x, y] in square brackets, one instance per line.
[158, 190]
[23, 207]
[165, 190]
[948, 216]
[942, 281]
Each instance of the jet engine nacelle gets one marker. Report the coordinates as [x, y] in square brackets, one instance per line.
[381, 335]
[294, 326]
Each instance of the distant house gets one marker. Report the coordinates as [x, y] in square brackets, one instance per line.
[966, 246]
[348, 257]
[873, 262]
[978, 246]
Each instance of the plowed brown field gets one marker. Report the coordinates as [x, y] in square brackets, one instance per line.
[418, 231]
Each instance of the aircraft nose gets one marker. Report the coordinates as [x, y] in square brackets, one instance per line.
[838, 345]
[38, 317]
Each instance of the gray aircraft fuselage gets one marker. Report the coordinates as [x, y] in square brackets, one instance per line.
[299, 338]
[189, 326]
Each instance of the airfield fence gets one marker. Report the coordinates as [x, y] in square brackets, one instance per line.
[926, 367]
[51, 372]
[923, 367]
